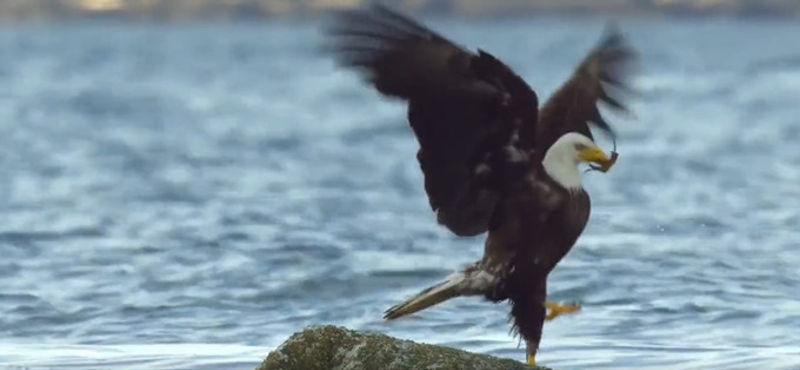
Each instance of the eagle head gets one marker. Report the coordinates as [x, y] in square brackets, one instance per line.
[563, 157]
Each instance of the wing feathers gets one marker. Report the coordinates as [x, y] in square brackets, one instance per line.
[399, 56]
[602, 76]
[463, 107]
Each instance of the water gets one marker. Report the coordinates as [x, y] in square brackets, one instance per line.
[188, 196]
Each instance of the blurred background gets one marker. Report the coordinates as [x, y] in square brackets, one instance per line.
[185, 183]
[257, 9]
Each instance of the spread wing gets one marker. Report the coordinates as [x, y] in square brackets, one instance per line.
[464, 107]
[602, 76]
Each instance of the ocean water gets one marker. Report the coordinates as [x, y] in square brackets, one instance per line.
[186, 197]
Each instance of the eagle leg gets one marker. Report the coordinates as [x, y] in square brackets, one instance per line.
[558, 309]
[530, 358]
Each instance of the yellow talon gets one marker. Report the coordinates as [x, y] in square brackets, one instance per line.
[531, 359]
[557, 309]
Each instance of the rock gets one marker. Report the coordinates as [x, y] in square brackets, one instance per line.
[337, 348]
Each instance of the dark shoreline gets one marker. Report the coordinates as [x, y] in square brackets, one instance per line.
[259, 10]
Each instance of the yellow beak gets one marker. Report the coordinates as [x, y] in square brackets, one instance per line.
[596, 155]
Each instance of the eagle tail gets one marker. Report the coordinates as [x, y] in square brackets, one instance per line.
[469, 282]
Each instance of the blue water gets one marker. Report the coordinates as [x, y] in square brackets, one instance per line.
[187, 196]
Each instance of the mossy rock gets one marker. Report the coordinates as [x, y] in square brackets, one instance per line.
[337, 348]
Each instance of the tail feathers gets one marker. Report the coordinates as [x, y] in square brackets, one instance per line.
[465, 283]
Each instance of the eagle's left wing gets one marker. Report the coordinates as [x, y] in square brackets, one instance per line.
[602, 76]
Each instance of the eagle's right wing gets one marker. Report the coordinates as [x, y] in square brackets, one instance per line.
[464, 107]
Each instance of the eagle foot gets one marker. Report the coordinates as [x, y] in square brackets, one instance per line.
[558, 309]
[530, 359]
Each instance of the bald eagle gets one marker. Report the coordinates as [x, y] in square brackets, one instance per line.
[492, 160]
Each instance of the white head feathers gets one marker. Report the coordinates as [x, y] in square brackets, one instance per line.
[562, 158]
